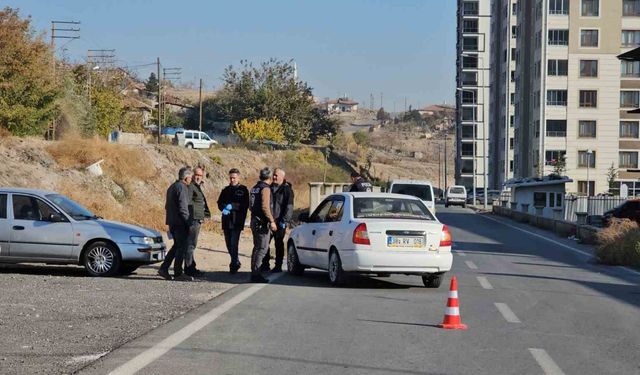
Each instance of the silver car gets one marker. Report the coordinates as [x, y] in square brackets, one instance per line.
[38, 226]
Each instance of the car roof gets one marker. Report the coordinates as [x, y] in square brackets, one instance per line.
[411, 182]
[358, 194]
[26, 191]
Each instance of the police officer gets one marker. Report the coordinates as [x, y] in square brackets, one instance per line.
[282, 209]
[262, 223]
[233, 202]
[358, 183]
[199, 210]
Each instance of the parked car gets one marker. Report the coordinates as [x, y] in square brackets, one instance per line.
[38, 226]
[494, 195]
[417, 188]
[479, 192]
[193, 139]
[628, 210]
[372, 233]
[456, 195]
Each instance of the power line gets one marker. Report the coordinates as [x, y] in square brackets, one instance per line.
[57, 32]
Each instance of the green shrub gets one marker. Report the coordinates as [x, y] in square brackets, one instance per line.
[619, 244]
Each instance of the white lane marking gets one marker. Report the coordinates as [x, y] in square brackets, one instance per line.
[461, 253]
[484, 283]
[148, 356]
[545, 361]
[507, 313]
[471, 265]
[634, 272]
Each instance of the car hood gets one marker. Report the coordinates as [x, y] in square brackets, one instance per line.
[135, 230]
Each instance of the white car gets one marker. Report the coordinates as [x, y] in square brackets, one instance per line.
[193, 139]
[456, 194]
[372, 233]
[417, 188]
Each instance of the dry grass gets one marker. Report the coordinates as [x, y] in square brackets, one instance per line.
[619, 244]
[4, 133]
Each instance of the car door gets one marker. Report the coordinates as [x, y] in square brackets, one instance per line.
[5, 227]
[327, 231]
[33, 235]
[307, 239]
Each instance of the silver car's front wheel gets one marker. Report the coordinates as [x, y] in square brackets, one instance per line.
[101, 259]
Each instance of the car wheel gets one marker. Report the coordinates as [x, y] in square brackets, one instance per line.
[336, 273]
[293, 262]
[433, 280]
[101, 259]
[128, 269]
[189, 145]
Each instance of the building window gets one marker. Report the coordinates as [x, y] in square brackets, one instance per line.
[469, 114]
[588, 68]
[514, 9]
[629, 129]
[467, 149]
[586, 129]
[514, 32]
[588, 38]
[467, 131]
[630, 38]
[510, 165]
[469, 96]
[512, 120]
[631, 8]
[582, 188]
[510, 143]
[467, 166]
[557, 67]
[557, 97]
[558, 6]
[551, 157]
[590, 8]
[556, 128]
[470, 62]
[628, 159]
[470, 8]
[559, 37]
[513, 54]
[584, 158]
[588, 98]
[469, 78]
[629, 99]
[630, 69]
[470, 26]
[470, 43]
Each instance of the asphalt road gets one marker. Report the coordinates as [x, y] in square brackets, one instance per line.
[533, 306]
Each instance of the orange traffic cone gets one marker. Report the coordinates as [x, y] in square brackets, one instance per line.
[452, 312]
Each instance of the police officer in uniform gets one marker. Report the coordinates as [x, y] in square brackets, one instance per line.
[262, 223]
[358, 183]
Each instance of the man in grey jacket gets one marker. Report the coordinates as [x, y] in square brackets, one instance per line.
[178, 219]
[199, 210]
[282, 210]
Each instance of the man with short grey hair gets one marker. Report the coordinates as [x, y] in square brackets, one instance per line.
[282, 209]
[262, 223]
[199, 210]
[178, 219]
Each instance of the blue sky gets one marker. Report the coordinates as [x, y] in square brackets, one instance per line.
[358, 47]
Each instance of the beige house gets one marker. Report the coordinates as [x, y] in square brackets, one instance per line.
[342, 105]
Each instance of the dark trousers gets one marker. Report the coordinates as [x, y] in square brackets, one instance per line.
[278, 240]
[261, 236]
[232, 240]
[178, 251]
[192, 243]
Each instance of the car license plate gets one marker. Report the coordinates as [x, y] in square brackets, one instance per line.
[393, 241]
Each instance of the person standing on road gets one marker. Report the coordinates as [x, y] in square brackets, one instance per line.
[179, 220]
[233, 202]
[358, 183]
[262, 223]
[282, 209]
[199, 211]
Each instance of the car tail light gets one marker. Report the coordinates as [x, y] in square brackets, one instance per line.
[360, 235]
[445, 238]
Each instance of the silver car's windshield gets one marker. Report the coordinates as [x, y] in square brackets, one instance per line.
[71, 208]
[390, 208]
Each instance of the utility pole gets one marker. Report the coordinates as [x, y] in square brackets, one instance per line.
[405, 104]
[68, 32]
[200, 121]
[381, 105]
[98, 59]
[159, 95]
[168, 74]
[445, 161]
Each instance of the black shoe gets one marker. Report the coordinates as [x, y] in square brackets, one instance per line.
[276, 269]
[196, 273]
[164, 274]
[233, 269]
[259, 279]
[183, 277]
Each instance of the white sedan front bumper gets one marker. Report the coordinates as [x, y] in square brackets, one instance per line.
[406, 262]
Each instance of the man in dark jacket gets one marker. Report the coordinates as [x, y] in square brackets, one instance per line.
[199, 210]
[178, 219]
[358, 183]
[262, 223]
[282, 209]
[233, 202]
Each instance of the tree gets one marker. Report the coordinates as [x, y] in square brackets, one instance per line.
[612, 175]
[211, 112]
[559, 166]
[382, 115]
[108, 110]
[151, 86]
[27, 90]
[361, 138]
[323, 126]
[259, 130]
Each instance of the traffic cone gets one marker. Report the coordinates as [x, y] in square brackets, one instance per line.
[452, 312]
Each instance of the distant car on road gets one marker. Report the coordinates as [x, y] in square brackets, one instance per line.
[417, 188]
[456, 195]
[38, 226]
[193, 139]
[371, 233]
[628, 210]
[493, 195]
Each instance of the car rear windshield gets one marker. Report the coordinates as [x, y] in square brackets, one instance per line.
[457, 190]
[390, 208]
[419, 191]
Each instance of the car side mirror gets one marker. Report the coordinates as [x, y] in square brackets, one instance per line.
[55, 218]
[303, 217]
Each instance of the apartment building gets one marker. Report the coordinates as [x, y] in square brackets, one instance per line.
[573, 94]
[472, 93]
[502, 89]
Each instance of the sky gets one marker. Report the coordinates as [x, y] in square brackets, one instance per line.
[400, 48]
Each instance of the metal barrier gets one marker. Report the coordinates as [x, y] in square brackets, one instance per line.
[319, 190]
[592, 206]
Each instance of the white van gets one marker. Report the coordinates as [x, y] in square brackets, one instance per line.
[417, 188]
[193, 139]
[456, 194]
